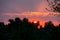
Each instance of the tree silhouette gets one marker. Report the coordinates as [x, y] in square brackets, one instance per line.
[54, 5]
[18, 29]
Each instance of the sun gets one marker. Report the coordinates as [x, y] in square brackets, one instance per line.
[34, 21]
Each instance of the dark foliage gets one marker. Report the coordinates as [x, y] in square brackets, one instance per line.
[24, 30]
[54, 5]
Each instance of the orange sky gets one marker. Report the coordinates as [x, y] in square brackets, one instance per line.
[31, 9]
[42, 17]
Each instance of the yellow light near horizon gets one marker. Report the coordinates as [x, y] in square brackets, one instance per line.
[35, 22]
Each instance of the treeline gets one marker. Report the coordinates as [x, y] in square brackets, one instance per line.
[24, 30]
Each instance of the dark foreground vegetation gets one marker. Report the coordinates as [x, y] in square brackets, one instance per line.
[23, 30]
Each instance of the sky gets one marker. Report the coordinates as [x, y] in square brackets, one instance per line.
[31, 9]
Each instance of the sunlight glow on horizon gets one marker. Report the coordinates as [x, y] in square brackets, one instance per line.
[38, 16]
[35, 21]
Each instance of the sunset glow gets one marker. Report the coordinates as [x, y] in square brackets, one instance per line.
[33, 10]
[34, 21]
[30, 19]
[42, 17]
